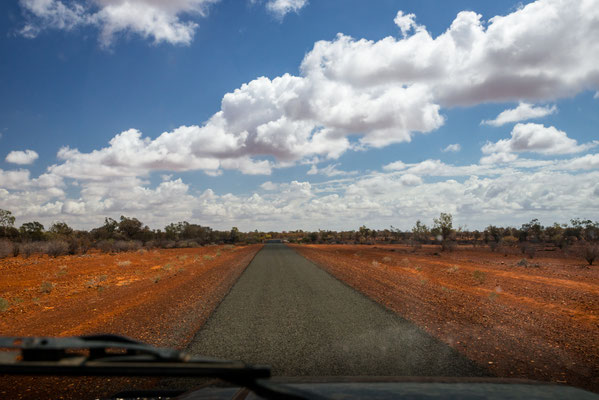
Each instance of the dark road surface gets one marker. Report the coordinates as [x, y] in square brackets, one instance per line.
[286, 312]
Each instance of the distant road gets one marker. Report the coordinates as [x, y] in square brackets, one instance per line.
[286, 312]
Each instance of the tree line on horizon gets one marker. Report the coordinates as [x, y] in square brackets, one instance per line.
[128, 234]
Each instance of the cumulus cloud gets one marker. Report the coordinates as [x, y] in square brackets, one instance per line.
[477, 195]
[378, 92]
[523, 112]
[453, 148]
[280, 8]
[537, 138]
[21, 157]
[151, 19]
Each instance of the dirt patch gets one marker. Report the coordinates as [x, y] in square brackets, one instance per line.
[539, 321]
[161, 297]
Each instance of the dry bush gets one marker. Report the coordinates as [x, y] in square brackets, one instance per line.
[6, 248]
[57, 248]
[122, 245]
[449, 245]
[30, 248]
[590, 253]
[105, 246]
[528, 249]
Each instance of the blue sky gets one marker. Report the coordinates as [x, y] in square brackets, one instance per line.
[346, 130]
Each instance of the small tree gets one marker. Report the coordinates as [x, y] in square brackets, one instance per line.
[32, 230]
[6, 219]
[420, 232]
[61, 229]
[444, 225]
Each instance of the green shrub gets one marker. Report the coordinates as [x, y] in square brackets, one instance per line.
[4, 305]
[46, 287]
[479, 276]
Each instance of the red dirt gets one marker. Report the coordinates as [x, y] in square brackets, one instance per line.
[161, 297]
[538, 322]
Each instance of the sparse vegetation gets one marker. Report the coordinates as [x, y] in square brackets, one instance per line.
[479, 276]
[46, 287]
[4, 305]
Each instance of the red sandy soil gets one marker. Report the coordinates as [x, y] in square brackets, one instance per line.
[538, 322]
[161, 297]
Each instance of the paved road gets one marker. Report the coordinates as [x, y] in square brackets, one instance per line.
[286, 312]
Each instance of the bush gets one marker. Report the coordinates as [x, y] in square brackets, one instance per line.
[528, 249]
[590, 253]
[6, 248]
[105, 246]
[3, 305]
[46, 287]
[122, 245]
[57, 248]
[30, 248]
[448, 245]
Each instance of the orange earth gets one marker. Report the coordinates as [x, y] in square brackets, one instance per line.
[539, 321]
[161, 297]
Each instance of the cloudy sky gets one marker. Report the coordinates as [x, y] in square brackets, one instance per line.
[297, 114]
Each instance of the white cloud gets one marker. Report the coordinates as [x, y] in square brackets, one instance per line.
[21, 157]
[498, 158]
[523, 112]
[329, 170]
[454, 148]
[280, 8]
[395, 166]
[406, 22]
[268, 185]
[476, 195]
[379, 92]
[537, 138]
[151, 19]
[586, 162]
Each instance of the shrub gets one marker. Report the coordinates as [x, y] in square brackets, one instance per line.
[16, 249]
[6, 248]
[528, 249]
[3, 304]
[57, 248]
[480, 276]
[590, 253]
[30, 248]
[523, 263]
[448, 245]
[122, 245]
[493, 246]
[105, 246]
[46, 287]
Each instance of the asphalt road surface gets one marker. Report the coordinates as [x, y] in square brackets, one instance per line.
[286, 312]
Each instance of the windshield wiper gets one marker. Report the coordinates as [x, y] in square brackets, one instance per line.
[113, 355]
